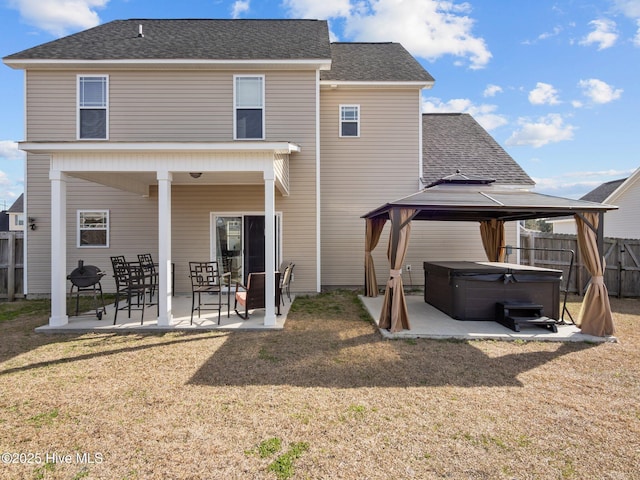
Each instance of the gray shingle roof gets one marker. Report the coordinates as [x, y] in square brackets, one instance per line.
[602, 192]
[193, 39]
[18, 205]
[455, 141]
[378, 62]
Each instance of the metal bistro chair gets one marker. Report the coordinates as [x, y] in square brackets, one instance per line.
[149, 268]
[207, 279]
[252, 294]
[132, 285]
[286, 270]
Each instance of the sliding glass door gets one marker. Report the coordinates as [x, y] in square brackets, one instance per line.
[238, 242]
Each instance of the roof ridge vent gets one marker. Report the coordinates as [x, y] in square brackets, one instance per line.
[140, 34]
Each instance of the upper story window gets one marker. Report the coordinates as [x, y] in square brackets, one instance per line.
[248, 100]
[349, 120]
[93, 92]
[93, 228]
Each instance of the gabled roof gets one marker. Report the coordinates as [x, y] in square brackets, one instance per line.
[195, 39]
[18, 205]
[455, 141]
[603, 191]
[374, 62]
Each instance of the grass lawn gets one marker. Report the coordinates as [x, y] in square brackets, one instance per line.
[325, 398]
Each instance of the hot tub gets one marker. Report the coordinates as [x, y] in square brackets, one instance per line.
[471, 290]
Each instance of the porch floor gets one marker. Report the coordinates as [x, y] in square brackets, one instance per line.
[427, 321]
[181, 310]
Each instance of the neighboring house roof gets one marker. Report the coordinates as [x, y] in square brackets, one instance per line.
[374, 62]
[602, 192]
[456, 142]
[18, 205]
[599, 194]
[195, 39]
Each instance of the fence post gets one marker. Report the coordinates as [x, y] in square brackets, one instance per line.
[620, 246]
[11, 266]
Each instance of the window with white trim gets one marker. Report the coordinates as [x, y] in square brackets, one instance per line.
[93, 228]
[349, 120]
[93, 118]
[248, 106]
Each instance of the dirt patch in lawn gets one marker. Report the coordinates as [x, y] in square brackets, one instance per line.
[326, 397]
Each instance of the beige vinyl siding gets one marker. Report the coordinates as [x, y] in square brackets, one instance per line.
[133, 225]
[169, 105]
[51, 105]
[174, 106]
[359, 174]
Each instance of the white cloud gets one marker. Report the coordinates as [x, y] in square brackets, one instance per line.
[239, 7]
[598, 91]
[59, 17]
[630, 8]
[491, 90]
[576, 184]
[548, 129]
[318, 9]
[555, 32]
[544, 94]
[604, 34]
[484, 114]
[427, 28]
[9, 150]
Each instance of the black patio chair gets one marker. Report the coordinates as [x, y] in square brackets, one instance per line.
[132, 285]
[149, 268]
[207, 279]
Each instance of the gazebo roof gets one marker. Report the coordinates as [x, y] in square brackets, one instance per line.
[457, 198]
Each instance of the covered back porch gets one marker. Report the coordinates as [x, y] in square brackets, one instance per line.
[137, 167]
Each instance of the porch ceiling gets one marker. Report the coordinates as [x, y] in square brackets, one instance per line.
[134, 166]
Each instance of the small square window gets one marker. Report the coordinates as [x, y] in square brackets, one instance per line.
[93, 228]
[349, 120]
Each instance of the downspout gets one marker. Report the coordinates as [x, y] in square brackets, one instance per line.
[420, 149]
[25, 205]
[318, 217]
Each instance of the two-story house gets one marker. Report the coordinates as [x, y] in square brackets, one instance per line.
[245, 141]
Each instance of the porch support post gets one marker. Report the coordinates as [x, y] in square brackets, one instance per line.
[165, 316]
[58, 249]
[269, 244]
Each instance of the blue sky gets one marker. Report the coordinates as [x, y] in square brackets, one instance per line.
[554, 82]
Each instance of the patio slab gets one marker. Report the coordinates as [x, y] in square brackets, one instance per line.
[181, 309]
[428, 322]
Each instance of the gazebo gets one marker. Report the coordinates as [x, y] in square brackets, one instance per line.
[463, 198]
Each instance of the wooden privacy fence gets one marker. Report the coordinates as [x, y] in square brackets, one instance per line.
[549, 250]
[11, 267]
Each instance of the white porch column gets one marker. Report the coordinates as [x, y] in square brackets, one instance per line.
[165, 316]
[58, 249]
[269, 244]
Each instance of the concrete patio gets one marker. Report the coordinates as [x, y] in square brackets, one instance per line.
[181, 308]
[427, 321]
